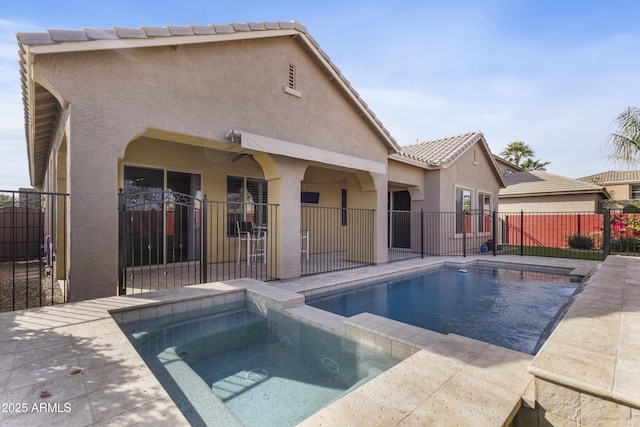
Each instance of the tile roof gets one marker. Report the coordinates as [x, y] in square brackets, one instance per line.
[539, 183]
[443, 151]
[53, 36]
[55, 40]
[611, 177]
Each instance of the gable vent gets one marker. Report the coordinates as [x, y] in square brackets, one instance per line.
[290, 88]
[292, 76]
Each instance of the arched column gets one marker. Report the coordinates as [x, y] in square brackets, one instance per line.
[284, 176]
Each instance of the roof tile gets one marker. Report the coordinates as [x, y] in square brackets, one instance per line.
[257, 26]
[35, 38]
[271, 25]
[287, 25]
[202, 29]
[101, 33]
[240, 26]
[179, 30]
[223, 28]
[157, 31]
[68, 35]
[298, 26]
[130, 33]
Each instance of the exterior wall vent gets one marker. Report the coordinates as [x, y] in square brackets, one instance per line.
[292, 76]
[290, 88]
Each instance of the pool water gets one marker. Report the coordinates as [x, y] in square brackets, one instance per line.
[510, 308]
[241, 368]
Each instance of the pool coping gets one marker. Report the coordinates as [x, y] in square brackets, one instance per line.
[40, 347]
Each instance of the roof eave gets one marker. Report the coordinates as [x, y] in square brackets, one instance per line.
[554, 193]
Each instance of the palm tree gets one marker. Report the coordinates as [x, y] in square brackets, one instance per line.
[534, 165]
[517, 150]
[625, 141]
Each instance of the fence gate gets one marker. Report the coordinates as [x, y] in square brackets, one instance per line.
[33, 248]
[160, 240]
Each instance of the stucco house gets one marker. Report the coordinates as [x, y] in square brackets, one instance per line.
[254, 116]
[623, 186]
[537, 191]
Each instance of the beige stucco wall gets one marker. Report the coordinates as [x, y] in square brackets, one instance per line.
[194, 93]
[471, 171]
[619, 192]
[561, 203]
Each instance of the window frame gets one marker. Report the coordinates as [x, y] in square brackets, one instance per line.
[463, 213]
[484, 213]
[250, 206]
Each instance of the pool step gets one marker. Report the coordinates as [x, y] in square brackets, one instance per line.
[456, 380]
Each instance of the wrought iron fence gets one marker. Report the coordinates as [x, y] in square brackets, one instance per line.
[334, 239]
[169, 240]
[240, 241]
[33, 248]
[584, 235]
[554, 234]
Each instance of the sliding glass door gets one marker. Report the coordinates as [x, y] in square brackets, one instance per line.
[163, 208]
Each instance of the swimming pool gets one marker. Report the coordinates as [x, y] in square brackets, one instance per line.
[239, 367]
[512, 308]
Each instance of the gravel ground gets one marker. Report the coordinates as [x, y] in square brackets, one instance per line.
[27, 285]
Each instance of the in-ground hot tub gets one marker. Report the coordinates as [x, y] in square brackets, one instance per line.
[238, 367]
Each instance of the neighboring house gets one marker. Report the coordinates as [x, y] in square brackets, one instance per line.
[221, 110]
[536, 191]
[623, 186]
[452, 175]
[506, 166]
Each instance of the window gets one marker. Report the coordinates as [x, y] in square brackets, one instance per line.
[635, 192]
[463, 209]
[246, 201]
[484, 213]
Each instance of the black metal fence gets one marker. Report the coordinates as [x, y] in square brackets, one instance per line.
[584, 235]
[33, 261]
[169, 240]
[334, 239]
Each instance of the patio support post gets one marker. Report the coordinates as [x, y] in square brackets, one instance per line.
[284, 178]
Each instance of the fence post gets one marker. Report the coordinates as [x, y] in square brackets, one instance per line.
[122, 261]
[606, 238]
[521, 232]
[494, 232]
[464, 234]
[204, 242]
[421, 233]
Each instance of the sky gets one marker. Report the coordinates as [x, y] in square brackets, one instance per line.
[553, 74]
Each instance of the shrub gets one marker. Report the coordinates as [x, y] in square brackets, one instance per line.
[577, 241]
[625, 244]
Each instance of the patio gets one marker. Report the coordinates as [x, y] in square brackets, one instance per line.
[78, 353]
